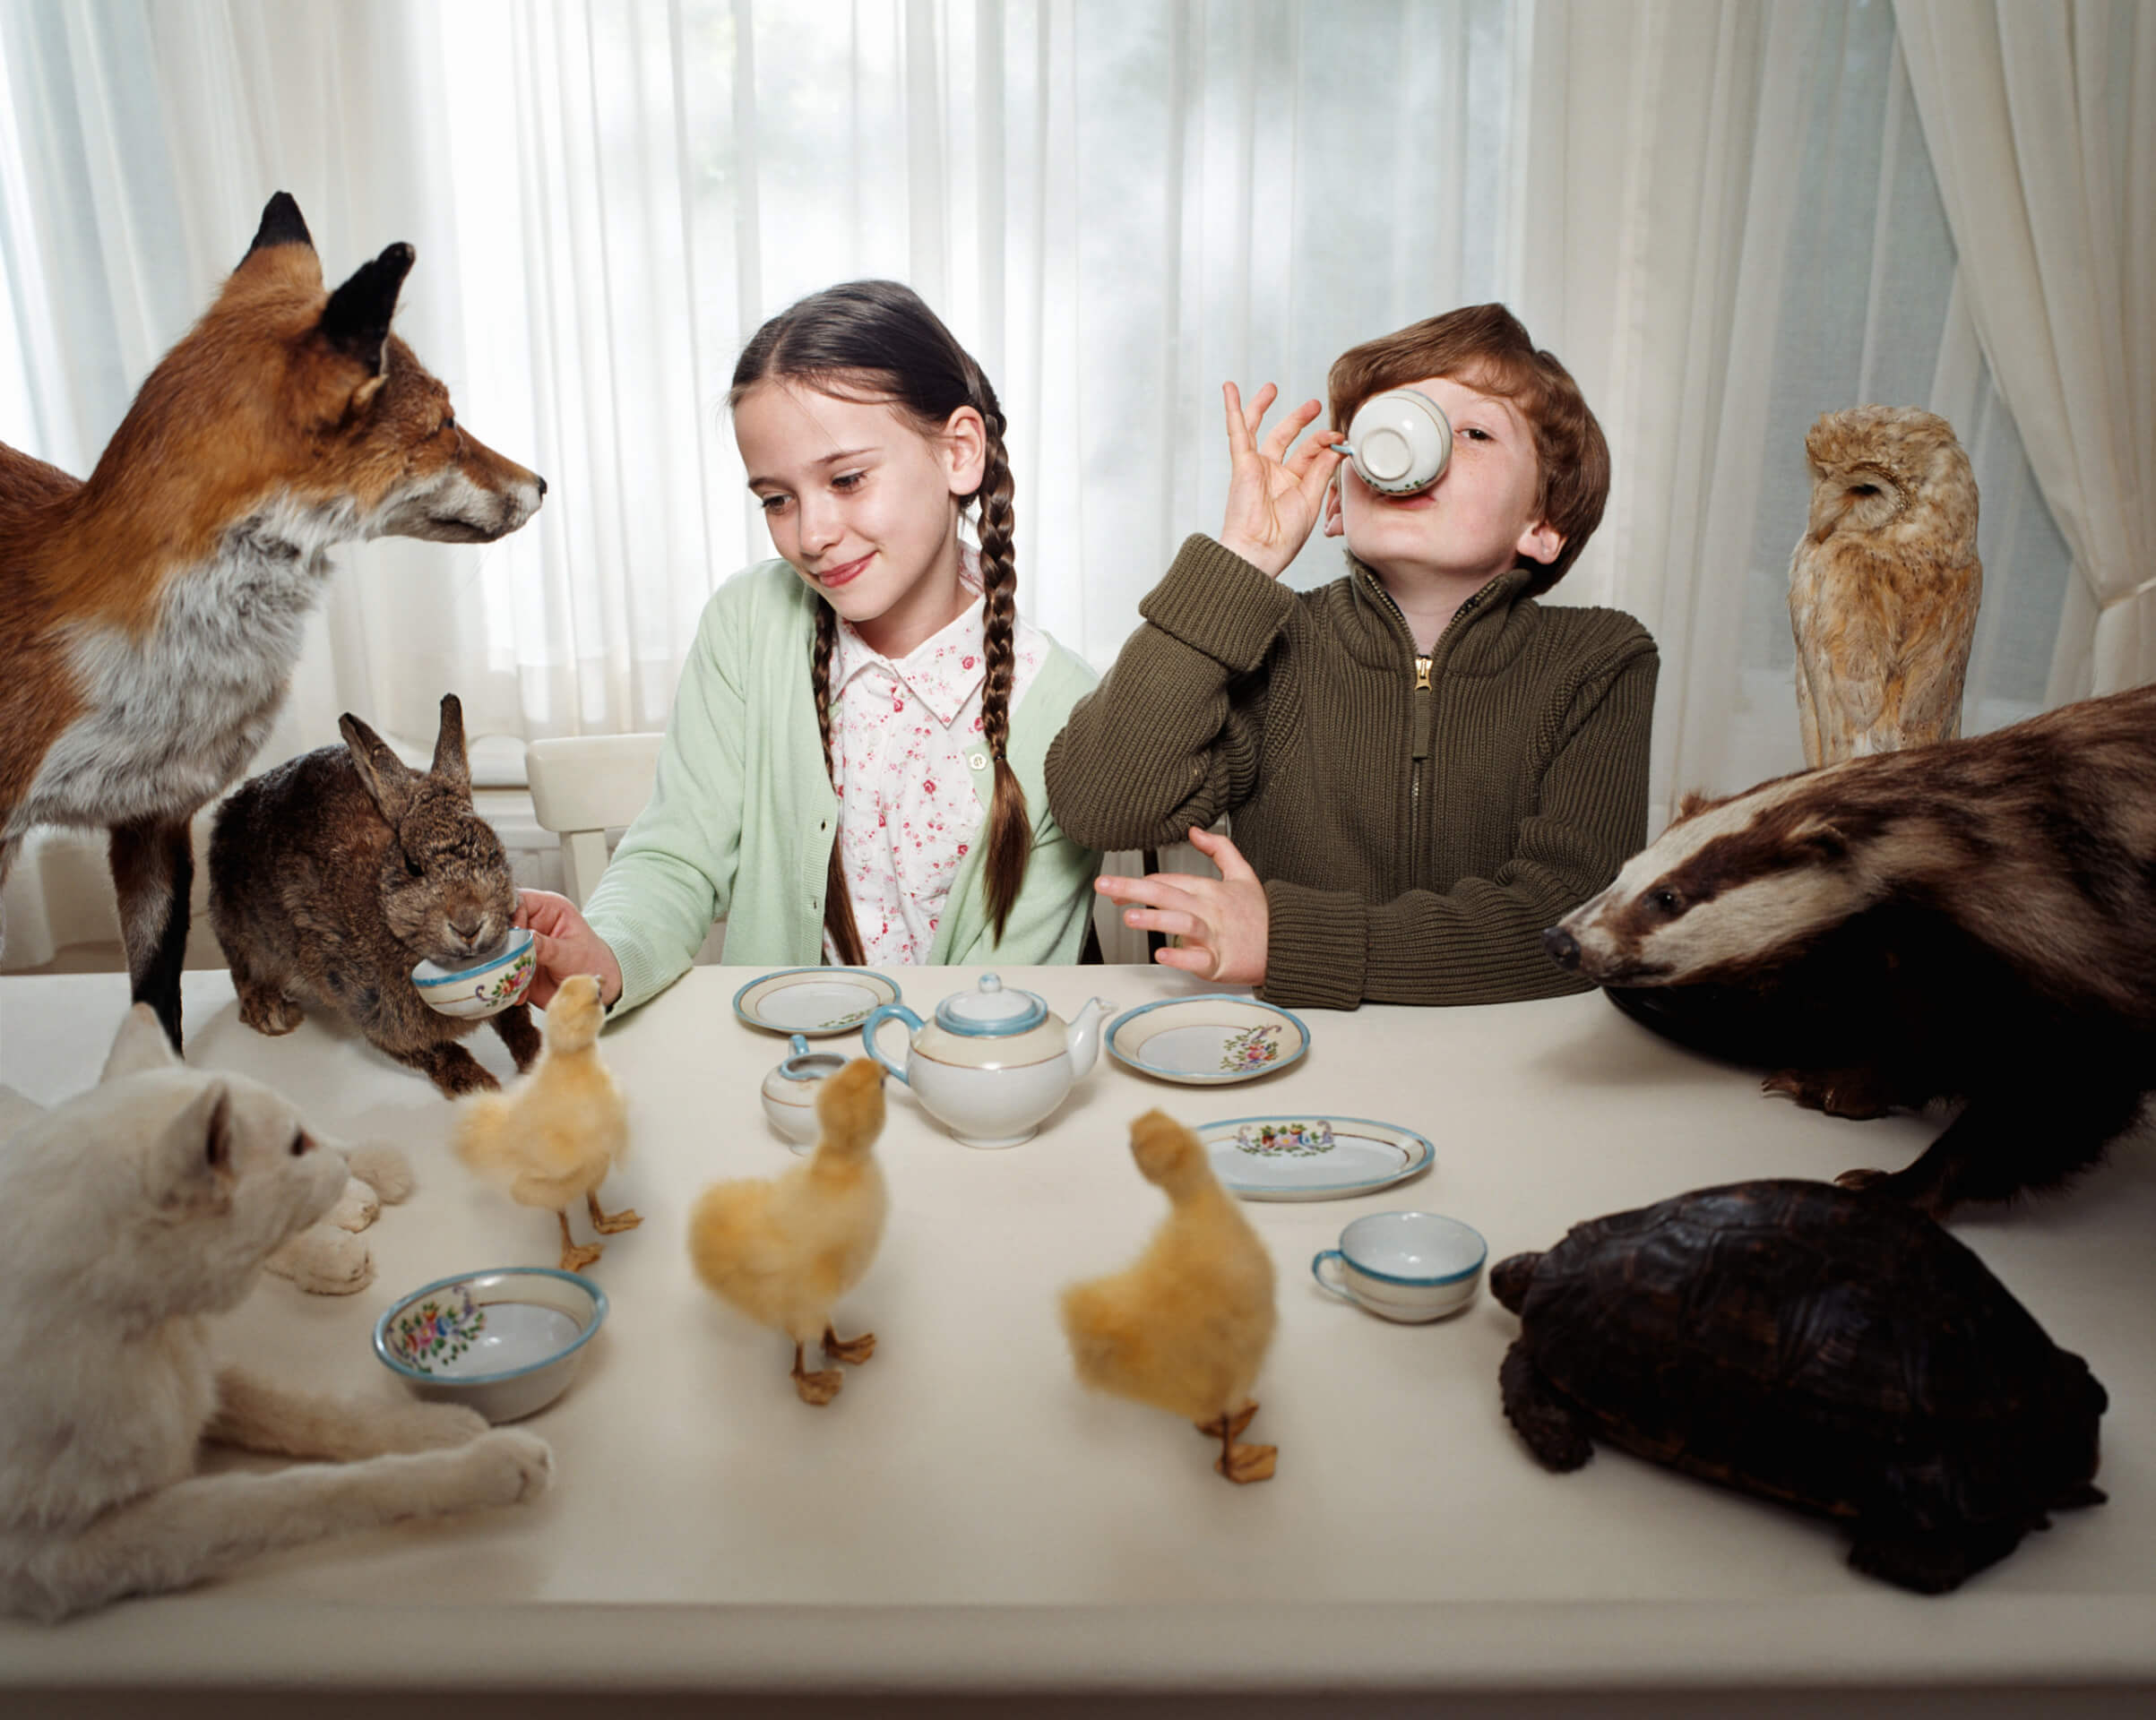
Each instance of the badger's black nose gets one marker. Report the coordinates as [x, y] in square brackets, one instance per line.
[1564, 949]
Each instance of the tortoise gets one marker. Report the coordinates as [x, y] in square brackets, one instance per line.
[1812, 1346]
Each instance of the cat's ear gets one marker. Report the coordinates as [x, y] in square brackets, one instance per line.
[139, 1045]
[195, 1154]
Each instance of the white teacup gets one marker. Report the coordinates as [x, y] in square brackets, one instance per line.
[1400, 441]
[1405, 1266]
[791, 1089]
[486, 985]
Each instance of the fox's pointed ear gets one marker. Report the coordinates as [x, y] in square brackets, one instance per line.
[281, 224]
[451, 764]
[356, 320]
[386, 777]
[139, 1045]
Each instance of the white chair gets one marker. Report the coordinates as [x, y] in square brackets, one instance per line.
[583, 787]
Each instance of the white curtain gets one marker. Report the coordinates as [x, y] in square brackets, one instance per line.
[1722, 217]
[1744, 232]
[2042, 123]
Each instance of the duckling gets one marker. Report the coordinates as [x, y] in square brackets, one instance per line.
[783, 1250]
[1186, 1326]
[562, 1128]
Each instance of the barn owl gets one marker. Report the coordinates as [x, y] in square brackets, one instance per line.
[1883, 584]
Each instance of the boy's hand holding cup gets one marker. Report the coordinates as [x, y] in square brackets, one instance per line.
[1274, 497]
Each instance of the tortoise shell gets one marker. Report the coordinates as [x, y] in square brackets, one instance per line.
[1834, 1350]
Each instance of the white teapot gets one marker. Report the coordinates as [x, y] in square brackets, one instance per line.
[995, 1062]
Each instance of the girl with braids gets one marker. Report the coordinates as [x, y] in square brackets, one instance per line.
[852, 771]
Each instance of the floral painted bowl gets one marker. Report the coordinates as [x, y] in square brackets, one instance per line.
[506, 1343]
[487, 986]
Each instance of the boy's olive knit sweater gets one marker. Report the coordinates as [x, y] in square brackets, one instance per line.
[1417, 822]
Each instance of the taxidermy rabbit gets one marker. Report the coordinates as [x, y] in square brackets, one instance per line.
[556, 1137]
[333, 874]
[127, 1215]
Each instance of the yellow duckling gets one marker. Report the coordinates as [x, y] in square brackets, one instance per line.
[1186, 1327]
[784, 1250]
[562, 1128]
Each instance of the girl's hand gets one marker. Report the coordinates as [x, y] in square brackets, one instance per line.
[1274, 497]
[563, 945]
[1221, 923]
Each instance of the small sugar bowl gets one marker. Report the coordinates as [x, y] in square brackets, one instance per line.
[791, 1089]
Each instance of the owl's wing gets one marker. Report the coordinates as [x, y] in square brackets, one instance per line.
[1938, 625]
[1839, 597]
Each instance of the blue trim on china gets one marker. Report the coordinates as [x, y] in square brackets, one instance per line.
[1226, 1077]
[1450, 1278]
[882, 1013]
[747, 1020]
[1427, 1158]
[599, 1319]
[950, 1020]
[509, 953]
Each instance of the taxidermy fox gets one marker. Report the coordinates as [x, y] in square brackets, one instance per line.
[150, 617]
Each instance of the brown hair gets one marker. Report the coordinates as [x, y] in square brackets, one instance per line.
[877, 341]
[1485, 346]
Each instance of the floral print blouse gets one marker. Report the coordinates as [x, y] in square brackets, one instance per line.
[903, 737]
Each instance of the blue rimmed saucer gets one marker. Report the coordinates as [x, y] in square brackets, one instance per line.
[1312, 1156]
[1215, 1039]
[506, 1342]
[816, 1002]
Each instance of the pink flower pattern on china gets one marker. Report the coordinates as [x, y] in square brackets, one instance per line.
[902, 737]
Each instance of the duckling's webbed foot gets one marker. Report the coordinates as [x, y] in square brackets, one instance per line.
[856, 1350]
[1225, 1427]
[819, 1387]
[611, 1223]
[575, 1255]
[1246, 1463]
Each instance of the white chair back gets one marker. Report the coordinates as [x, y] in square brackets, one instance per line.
[583, 787]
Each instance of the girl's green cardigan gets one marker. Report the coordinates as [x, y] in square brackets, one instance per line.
[742, 817]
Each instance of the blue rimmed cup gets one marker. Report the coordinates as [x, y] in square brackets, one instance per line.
[506, 1342]
[1404, 1265]
[486, 987]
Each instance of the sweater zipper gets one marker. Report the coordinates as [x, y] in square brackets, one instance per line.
[1425, 697]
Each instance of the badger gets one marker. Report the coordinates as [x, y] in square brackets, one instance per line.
[1973, 920]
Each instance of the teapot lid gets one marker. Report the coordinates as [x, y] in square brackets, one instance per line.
[990, 1013]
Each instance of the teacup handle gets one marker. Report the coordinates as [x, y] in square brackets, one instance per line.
[882, 1013]
[1317, 1271]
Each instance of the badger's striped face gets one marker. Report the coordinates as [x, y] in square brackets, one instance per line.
[1722, 891]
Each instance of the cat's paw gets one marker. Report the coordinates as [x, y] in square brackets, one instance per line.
[429, 1427]
[509, 1465]
[384, 1169]
[324, 1262]
[356, 1207]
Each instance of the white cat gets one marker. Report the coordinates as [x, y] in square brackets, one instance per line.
[126, 1215]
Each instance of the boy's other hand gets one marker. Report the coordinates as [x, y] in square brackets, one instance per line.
[1274, 497]
[1221, 922]
[564, 944]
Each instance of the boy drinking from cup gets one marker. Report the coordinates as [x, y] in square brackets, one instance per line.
[1425, 767]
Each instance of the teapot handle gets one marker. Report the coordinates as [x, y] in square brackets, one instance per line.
[882, 1013]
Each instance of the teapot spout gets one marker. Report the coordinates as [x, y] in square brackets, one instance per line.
[1084, 1041]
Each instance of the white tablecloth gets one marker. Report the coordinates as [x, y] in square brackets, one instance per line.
[966, 1517]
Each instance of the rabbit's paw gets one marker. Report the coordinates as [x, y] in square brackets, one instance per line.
[456, 1072]
[384, 1169]
[269, 1011]
[324, 1262]
[507, 1466]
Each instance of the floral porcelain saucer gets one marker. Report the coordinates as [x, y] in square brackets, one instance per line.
[1311, 1158]
[1214, 1040]
[813, 1001]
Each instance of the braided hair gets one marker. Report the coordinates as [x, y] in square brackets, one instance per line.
[878, 340]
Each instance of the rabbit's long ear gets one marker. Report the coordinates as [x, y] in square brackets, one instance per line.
[388, 781]
[451, 765]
